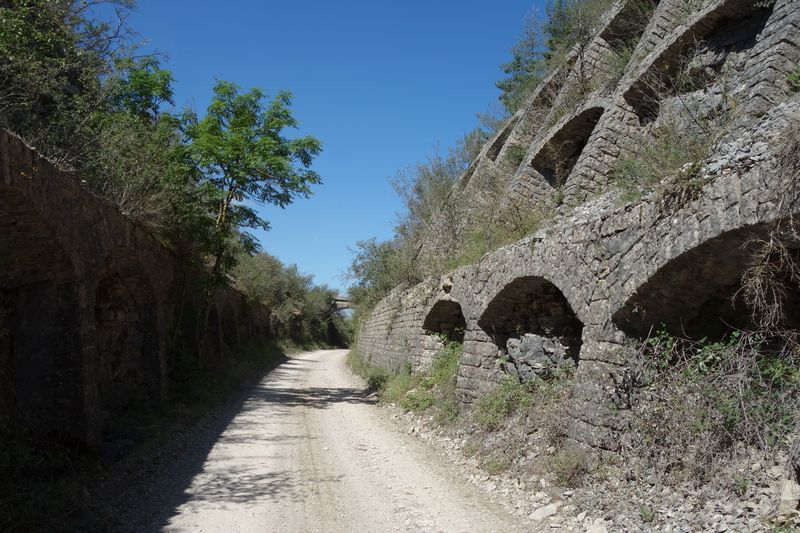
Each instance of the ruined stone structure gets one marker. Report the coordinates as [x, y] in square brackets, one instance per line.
[88, 303]
[601, 272]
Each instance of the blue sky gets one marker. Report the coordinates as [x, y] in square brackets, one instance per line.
[379, 82]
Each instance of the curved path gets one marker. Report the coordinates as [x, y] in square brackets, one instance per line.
[309, 452]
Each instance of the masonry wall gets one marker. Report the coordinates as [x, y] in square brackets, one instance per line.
[89, 302]
[617, 269]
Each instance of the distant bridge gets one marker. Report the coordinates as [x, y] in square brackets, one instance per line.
[340, 304]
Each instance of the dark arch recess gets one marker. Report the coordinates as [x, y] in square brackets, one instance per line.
[557, 158]
[127, 341]
[532, 304]
[445, 318]
[696, 294]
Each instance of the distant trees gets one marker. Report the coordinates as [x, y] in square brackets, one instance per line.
[299, 309]
[544, 44]
[426, 191]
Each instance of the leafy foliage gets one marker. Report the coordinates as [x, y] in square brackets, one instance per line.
[240, 152]
[74, 87]
[741, 389]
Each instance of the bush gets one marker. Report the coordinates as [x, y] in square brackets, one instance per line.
[416, 392]
[794, 80]
[570, 465]
[494, 408]
[694, 402]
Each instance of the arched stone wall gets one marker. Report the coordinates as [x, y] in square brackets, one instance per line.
[698, 293]
[40, 329]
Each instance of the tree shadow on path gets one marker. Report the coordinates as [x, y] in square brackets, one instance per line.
[143, 493]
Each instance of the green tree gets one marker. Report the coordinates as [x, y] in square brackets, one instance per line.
[526, 68]
[54, 57]
[240, 151]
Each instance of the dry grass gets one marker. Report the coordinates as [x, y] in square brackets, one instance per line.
[695, 404]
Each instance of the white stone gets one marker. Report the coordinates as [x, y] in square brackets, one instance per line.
[544, 512]
[790, 497]
[599, 526]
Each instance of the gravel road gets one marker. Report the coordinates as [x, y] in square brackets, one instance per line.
[309, 451]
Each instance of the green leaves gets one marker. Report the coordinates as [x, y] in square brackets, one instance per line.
[141, 86]
[241, 154]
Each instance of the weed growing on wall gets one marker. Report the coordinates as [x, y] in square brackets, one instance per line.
[794, 80]
[509, 397]
[669, 165]
[515, 154]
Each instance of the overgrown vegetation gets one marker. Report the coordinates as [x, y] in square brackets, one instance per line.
[434, 388]
[695, 403]
[669, 165]
[76, 88]
[300, 311]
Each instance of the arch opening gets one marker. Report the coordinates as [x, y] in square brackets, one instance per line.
[534, 328]
[446, 320]
[558, 157]
[127, 342]
[698, 295]
[695, 62]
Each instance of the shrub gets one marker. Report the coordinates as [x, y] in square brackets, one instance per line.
[507, 398]
[794, 80]
[515, 154]
[570, 465]
[694, 401]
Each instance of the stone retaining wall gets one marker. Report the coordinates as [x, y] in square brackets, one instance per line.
[88, 303]
[609, 270]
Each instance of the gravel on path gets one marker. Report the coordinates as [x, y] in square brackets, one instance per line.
[309, 451]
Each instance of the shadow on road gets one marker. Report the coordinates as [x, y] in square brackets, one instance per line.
[142, 494]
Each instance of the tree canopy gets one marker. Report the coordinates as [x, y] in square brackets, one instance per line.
[240, 152]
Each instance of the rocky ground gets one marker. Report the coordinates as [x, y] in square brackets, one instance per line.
[610, 499]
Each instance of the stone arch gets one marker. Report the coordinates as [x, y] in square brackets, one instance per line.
[40, 324]
[731, 26]
[532, 313]
[696, 294]
[445, 318]
[128, 343]
[557, 157]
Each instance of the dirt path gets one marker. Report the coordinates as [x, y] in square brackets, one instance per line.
[310, 452]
